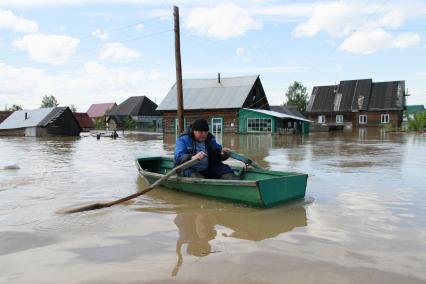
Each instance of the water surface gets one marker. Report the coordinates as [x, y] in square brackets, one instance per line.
[362, 221]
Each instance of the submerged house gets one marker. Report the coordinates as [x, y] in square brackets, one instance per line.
[140, 109]
[230, 105]
[4, 115]
[41, 122]
[97, 111]
[85, 122]
[358, 103]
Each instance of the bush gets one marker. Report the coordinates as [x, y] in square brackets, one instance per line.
[418, 123]
[129, 123]
[100, 123]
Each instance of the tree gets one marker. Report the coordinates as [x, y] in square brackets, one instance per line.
[49, 101]
[73, 108]
[297, 96]
[15, 108]
[129, 123]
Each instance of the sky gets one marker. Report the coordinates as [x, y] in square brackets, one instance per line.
[92, 51]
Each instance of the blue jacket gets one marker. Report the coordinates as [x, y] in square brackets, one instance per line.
[185, 149]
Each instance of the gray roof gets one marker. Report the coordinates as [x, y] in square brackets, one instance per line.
[210, 94]
[135, 106]
[35, 117]
[356, 95]
[290, 110]
[278, 114]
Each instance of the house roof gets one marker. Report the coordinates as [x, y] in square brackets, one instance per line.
[356, 95]
[278, 114]
[135, 106]
[290, 110]
[98, 110]
[231, 92]
[35, 117]
[83, 120]
[412, 109]
[4, 115]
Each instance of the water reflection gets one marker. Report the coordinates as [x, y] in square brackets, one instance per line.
[200, 221]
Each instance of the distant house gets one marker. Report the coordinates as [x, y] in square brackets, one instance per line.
[85, 122]
[411, 110]
[4, 115]
[138, 108]
[41, 122]
[96, 111]
[358, 103]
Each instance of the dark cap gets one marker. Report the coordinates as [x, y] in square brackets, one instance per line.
[200, 125]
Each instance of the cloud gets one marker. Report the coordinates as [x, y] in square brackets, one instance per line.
[370, 41]
[117, 51]
[51, 49]
[100, 34]
[8, 20]
[92, 83]
[140, 27]
[223, 21]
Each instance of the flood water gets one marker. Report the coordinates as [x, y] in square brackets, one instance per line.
[362, 221]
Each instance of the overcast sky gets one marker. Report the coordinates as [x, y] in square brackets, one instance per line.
[93, 51]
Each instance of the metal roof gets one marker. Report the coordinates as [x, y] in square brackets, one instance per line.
[356, 95]
[35, 117]
[210, 94]
[278, 114]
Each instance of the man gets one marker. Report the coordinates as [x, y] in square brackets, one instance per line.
[198, 143]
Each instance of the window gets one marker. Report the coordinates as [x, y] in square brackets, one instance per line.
[339, 118]
[259, 125]
[384, 118]
[321, 118]
[362, 119]
[217, 124]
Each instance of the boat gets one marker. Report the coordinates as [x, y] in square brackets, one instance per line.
[257, 187]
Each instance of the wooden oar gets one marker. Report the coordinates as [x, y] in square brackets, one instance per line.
[100, 205]
[245, 160]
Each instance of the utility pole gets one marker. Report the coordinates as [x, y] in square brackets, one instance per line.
[179, 89]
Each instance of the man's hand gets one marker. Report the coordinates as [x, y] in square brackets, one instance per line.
[225, 151]
[199, 156]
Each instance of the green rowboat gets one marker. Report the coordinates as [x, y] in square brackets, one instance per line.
[257, 187]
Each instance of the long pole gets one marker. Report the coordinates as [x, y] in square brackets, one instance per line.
[179, 88]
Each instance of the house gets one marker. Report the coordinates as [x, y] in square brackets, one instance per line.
[96, 111]
[358, 103]
[138, 108]
[85, 122]
[41, 122]
[217, 100]
[4, 115]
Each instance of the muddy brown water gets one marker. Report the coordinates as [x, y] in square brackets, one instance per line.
[363, 219]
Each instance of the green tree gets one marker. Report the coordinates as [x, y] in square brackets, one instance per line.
[100, 123]
[49, 101]
[297, 96]
[15, 108]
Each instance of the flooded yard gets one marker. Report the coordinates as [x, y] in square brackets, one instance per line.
[362, 221]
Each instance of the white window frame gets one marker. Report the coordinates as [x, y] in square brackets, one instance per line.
[258, 131]
[339, 118]
[361, 119]
[177, 124]
[221, 125]
[321, 118]
[384, 118]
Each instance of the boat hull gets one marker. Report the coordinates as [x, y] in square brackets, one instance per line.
[257, 187]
